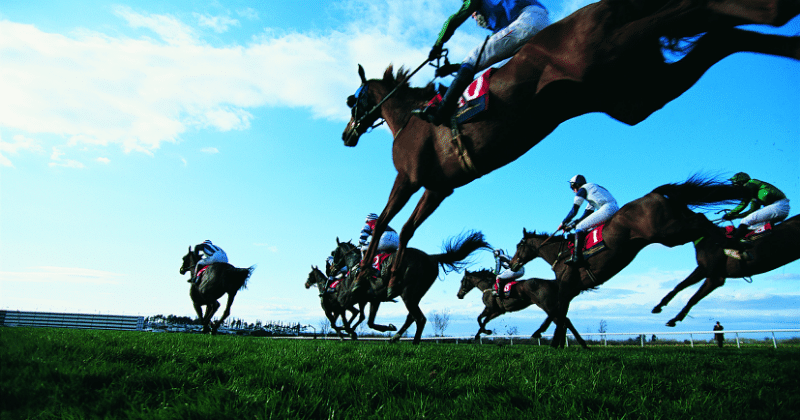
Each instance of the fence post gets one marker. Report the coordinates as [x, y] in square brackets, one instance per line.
[641, 338]
[774, 343]
[737, 341]
[691, 340]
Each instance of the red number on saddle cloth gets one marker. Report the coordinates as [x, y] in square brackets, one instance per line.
[477, 88]
[379, 259]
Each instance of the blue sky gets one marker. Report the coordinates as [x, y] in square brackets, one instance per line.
[131, 130]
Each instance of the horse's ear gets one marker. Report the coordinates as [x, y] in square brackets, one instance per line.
[524, 232]
[190, 249]
[337, 240]
[362, 74]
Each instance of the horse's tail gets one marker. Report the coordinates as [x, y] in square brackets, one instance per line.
[458, 248]
[241, 275]
[701, 192]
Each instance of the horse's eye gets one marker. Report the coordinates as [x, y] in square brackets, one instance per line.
[351, 101]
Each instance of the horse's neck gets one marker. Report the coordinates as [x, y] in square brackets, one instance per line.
[484, 282]
[549, 252]
[322, 281]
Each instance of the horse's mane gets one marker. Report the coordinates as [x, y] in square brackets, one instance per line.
[533, 234]
[483, 272]
[401, 80]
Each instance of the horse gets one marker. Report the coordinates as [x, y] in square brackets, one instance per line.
[333, 309]
[606, 57]
[524, 293]
[662, 216]
[714, 265]
[417, 274]
[217, 280]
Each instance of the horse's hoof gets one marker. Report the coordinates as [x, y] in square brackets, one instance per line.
[671, 323]
[537, 335]
[656, 310]
[395, 338]
[391, 328]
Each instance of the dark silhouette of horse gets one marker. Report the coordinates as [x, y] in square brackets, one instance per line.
[217, 280]
[662, 217]
[539, 292]
[768, 253]
[333, 309]
[606, 57]
[416, 275]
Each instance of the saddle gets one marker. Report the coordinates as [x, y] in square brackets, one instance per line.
[753, 235]
[594, 243]
[473, 101]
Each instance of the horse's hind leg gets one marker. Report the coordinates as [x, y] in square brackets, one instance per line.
[545, 325]
[373, 312]
[576, 334]
[199, 309]
[487, 316]
[697, 275]
[708, 286]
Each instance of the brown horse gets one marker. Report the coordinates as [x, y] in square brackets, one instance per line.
[333, 309]
[661, 216]
[768, 253]
[606, 57]
[416, 275]
[217, 280]
[524, 293]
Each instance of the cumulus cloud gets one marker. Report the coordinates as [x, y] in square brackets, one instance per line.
[18, 143]
[210, 150]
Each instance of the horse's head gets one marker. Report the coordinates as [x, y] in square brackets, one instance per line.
[363, 112]
[189, 261]
[345, 255]
[473, 279]
[527, 249]
[314, 277]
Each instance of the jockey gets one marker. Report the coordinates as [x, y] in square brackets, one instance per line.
[389, 240]
[601, 207]
[332, 277]
[512, 22]
[758, 193]
[211, 254]
[507, 274]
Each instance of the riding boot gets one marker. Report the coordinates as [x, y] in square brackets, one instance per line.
[498, 290]
[441, 113]
[577, 250]
[737, 238]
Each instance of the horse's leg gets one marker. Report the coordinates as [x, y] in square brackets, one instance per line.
[697, 275]
[198, 307]
[399, 334]
[429, 202]
[402, 190]
[211, 309]
[489, 315]
[576, 334]
[416, 313]
[373, 311]
[708, 286]
[545, 325]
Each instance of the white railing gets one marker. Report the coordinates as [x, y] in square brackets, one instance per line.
[604, 336]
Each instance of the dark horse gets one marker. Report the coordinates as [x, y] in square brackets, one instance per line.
[606, 57]
[330, 304]
[416, 274]
[218, 279]
[768, 253]
[662, 217]
[524, 293]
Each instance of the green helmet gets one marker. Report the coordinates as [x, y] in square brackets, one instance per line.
[740, 178]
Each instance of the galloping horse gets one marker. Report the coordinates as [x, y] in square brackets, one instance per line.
[330, 304]
[606, 57]
[524, 293]
[417, 274]
[217, 279]
[662, 216]
[768, 253]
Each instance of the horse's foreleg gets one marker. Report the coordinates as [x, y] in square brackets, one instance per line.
[415, 314]
[227, 312]
[708, 286]
[578, 337]
[211, 309]
[697, 275]
[399, 334]
[429, 202]
[402, 190]
[199, 309]
[488, 314]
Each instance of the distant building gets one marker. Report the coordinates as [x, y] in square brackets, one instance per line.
[66, 320]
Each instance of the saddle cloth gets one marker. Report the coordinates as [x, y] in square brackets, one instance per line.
[594, 242]
[753, 235]
[473, 101]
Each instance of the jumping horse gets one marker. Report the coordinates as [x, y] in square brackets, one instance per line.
[416, 276]
[605, 57]
[662, 216]
[217, 280]
[333, 309]
[765, 254]
[523, 293]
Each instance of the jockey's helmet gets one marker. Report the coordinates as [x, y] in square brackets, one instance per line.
[371, 217]
[740, 178]
[577, 181]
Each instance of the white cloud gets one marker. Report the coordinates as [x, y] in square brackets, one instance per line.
[210, 150]
[218, 24]
[103, 160]
[56, 160]
[18, 143]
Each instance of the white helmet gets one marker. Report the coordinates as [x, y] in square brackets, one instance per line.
[576, 181]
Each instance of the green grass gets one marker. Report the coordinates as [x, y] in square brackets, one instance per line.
[80, 374]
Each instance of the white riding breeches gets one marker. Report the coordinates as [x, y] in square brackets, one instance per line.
[774, 212]
[598, 217]
[507, 41]
[509, 275]
[217, 257]
[389, 242]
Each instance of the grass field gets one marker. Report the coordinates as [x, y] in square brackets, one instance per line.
[86, 374]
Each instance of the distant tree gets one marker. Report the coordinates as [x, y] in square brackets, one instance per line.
[512, 330]
[440, 320]
[325, 326]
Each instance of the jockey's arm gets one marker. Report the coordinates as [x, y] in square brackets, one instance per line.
[454, 21]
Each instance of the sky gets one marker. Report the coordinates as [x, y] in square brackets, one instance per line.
[132, 130]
